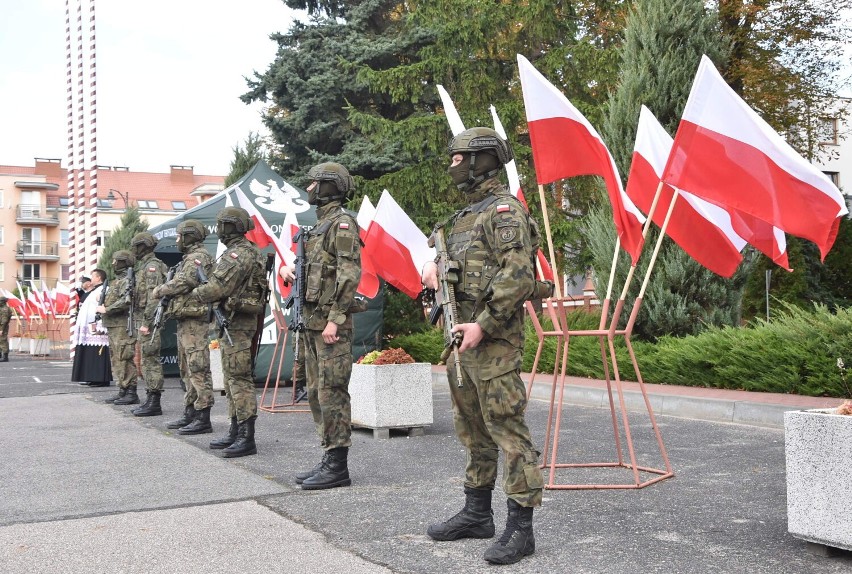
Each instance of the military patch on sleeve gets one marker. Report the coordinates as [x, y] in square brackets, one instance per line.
[507, 234]
[503, 207]
[234, 255]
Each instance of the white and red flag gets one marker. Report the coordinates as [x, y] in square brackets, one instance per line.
[15, 304]
[453, 117]
[400, 249]
[289, 229]
[517, 191]
[564, 144]
[727, 154]
[262, 234]
[62, 298]
[369, 285]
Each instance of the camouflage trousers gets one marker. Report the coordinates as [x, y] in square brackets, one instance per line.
[489, 415]
[122, 349]
[239, 380]
[327, 372]
[194, 359]
[152, 369]
[4, 341]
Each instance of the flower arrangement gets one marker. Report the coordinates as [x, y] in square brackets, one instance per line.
[214, 344]
[386, 357]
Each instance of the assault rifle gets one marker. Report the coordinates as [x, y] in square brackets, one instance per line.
[129, 294]
[102, 298]
[297, 293]
[264, 300]
[221, 321]
[445, 301]
[162, 305]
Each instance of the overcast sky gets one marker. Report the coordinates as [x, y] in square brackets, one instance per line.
[170, 73]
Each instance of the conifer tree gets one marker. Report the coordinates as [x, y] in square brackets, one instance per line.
[131, 224]
[246, 157]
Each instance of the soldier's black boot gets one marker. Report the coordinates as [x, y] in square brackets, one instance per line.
[517, 540]
[200, 424]
[304, 475]
[188, 416]
[333, 473]
[475, 520]
[151, 408]
[229, 439]
[244, 445]
[144, 405]
[122, 391]
[129, 398]
[4, 357]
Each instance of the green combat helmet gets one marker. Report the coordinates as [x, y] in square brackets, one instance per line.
[485, 154]
[233, 222]
[190, 232]
[142, 244]
[122, 259]
[335, 183]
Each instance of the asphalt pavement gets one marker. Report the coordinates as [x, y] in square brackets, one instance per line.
[87, 487]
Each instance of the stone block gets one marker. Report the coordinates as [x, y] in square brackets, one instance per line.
[391, 396]
[818, 449]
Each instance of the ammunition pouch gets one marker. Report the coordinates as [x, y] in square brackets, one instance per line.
[314, 275]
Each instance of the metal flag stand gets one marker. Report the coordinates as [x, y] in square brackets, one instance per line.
[563, 334]
[294, 406]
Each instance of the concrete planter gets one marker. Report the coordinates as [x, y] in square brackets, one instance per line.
[216, 370]
[818, 447]
[39, 347]
[14, 344]
[391, 396]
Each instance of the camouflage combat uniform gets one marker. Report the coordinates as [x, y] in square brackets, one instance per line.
[491, 239]
[5, 318]
[333, 271]
[192, 326]
[122, 347]
[150, 273]
[238, 281]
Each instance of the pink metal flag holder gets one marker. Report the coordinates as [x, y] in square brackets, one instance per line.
[271, 386]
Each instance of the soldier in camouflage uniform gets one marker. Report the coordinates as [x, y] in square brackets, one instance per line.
[238, 285]
[5, 317]
[493, 241]
[122, 345]
[150, 274]
[333, 253]
[193, 322]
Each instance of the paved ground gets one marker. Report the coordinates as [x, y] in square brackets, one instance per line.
[86, 487]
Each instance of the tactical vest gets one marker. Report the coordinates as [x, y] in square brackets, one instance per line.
[184, 306]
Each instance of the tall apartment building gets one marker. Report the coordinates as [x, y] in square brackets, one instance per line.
[34, 235]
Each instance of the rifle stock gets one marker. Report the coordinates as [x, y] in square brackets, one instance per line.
[221, 321]
[297, 293]
[445, 301]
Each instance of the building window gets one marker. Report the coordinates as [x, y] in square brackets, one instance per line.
[105, 203]
[63, 238]
[834, 177]
[32, 271]
[147, 204]
[179, 205]
[2, 193]
[826, 131]
[63, 201]
[2, 271]
[65, 272]
[2, 236]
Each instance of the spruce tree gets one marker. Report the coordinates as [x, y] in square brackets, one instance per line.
[246, 157]
[131, 224]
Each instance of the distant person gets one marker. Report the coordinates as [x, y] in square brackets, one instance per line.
[122, 340]
[83, 290]
[5, 317]
[91, 367]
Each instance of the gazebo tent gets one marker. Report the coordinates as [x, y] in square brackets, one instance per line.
[273, 197]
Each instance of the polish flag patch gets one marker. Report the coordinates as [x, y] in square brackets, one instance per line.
[152, 269]
[233, 254]
[503, 207]
[196, 261]
[344, 226]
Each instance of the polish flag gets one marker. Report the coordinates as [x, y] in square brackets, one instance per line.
[725, 153]
[34, 306]
[369, 285]
[262, 234]
[701, 229]
[453, 117]
[289, 229]
[517, 191]
[401, 247]
[47, 299]
[15, 304]
[564, 144]
[62, 296]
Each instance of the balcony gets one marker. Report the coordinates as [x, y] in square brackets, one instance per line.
[35, 215]
[37, 251]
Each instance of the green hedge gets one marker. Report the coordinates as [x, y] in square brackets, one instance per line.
[797, 352]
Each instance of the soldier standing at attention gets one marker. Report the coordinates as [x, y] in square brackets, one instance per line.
[122, 345]
[492, 240]
[150, 273]
[237, 285]
[193, 321]
[5, 317]
[333, 270]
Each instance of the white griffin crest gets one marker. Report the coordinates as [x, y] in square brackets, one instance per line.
[273, 198]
